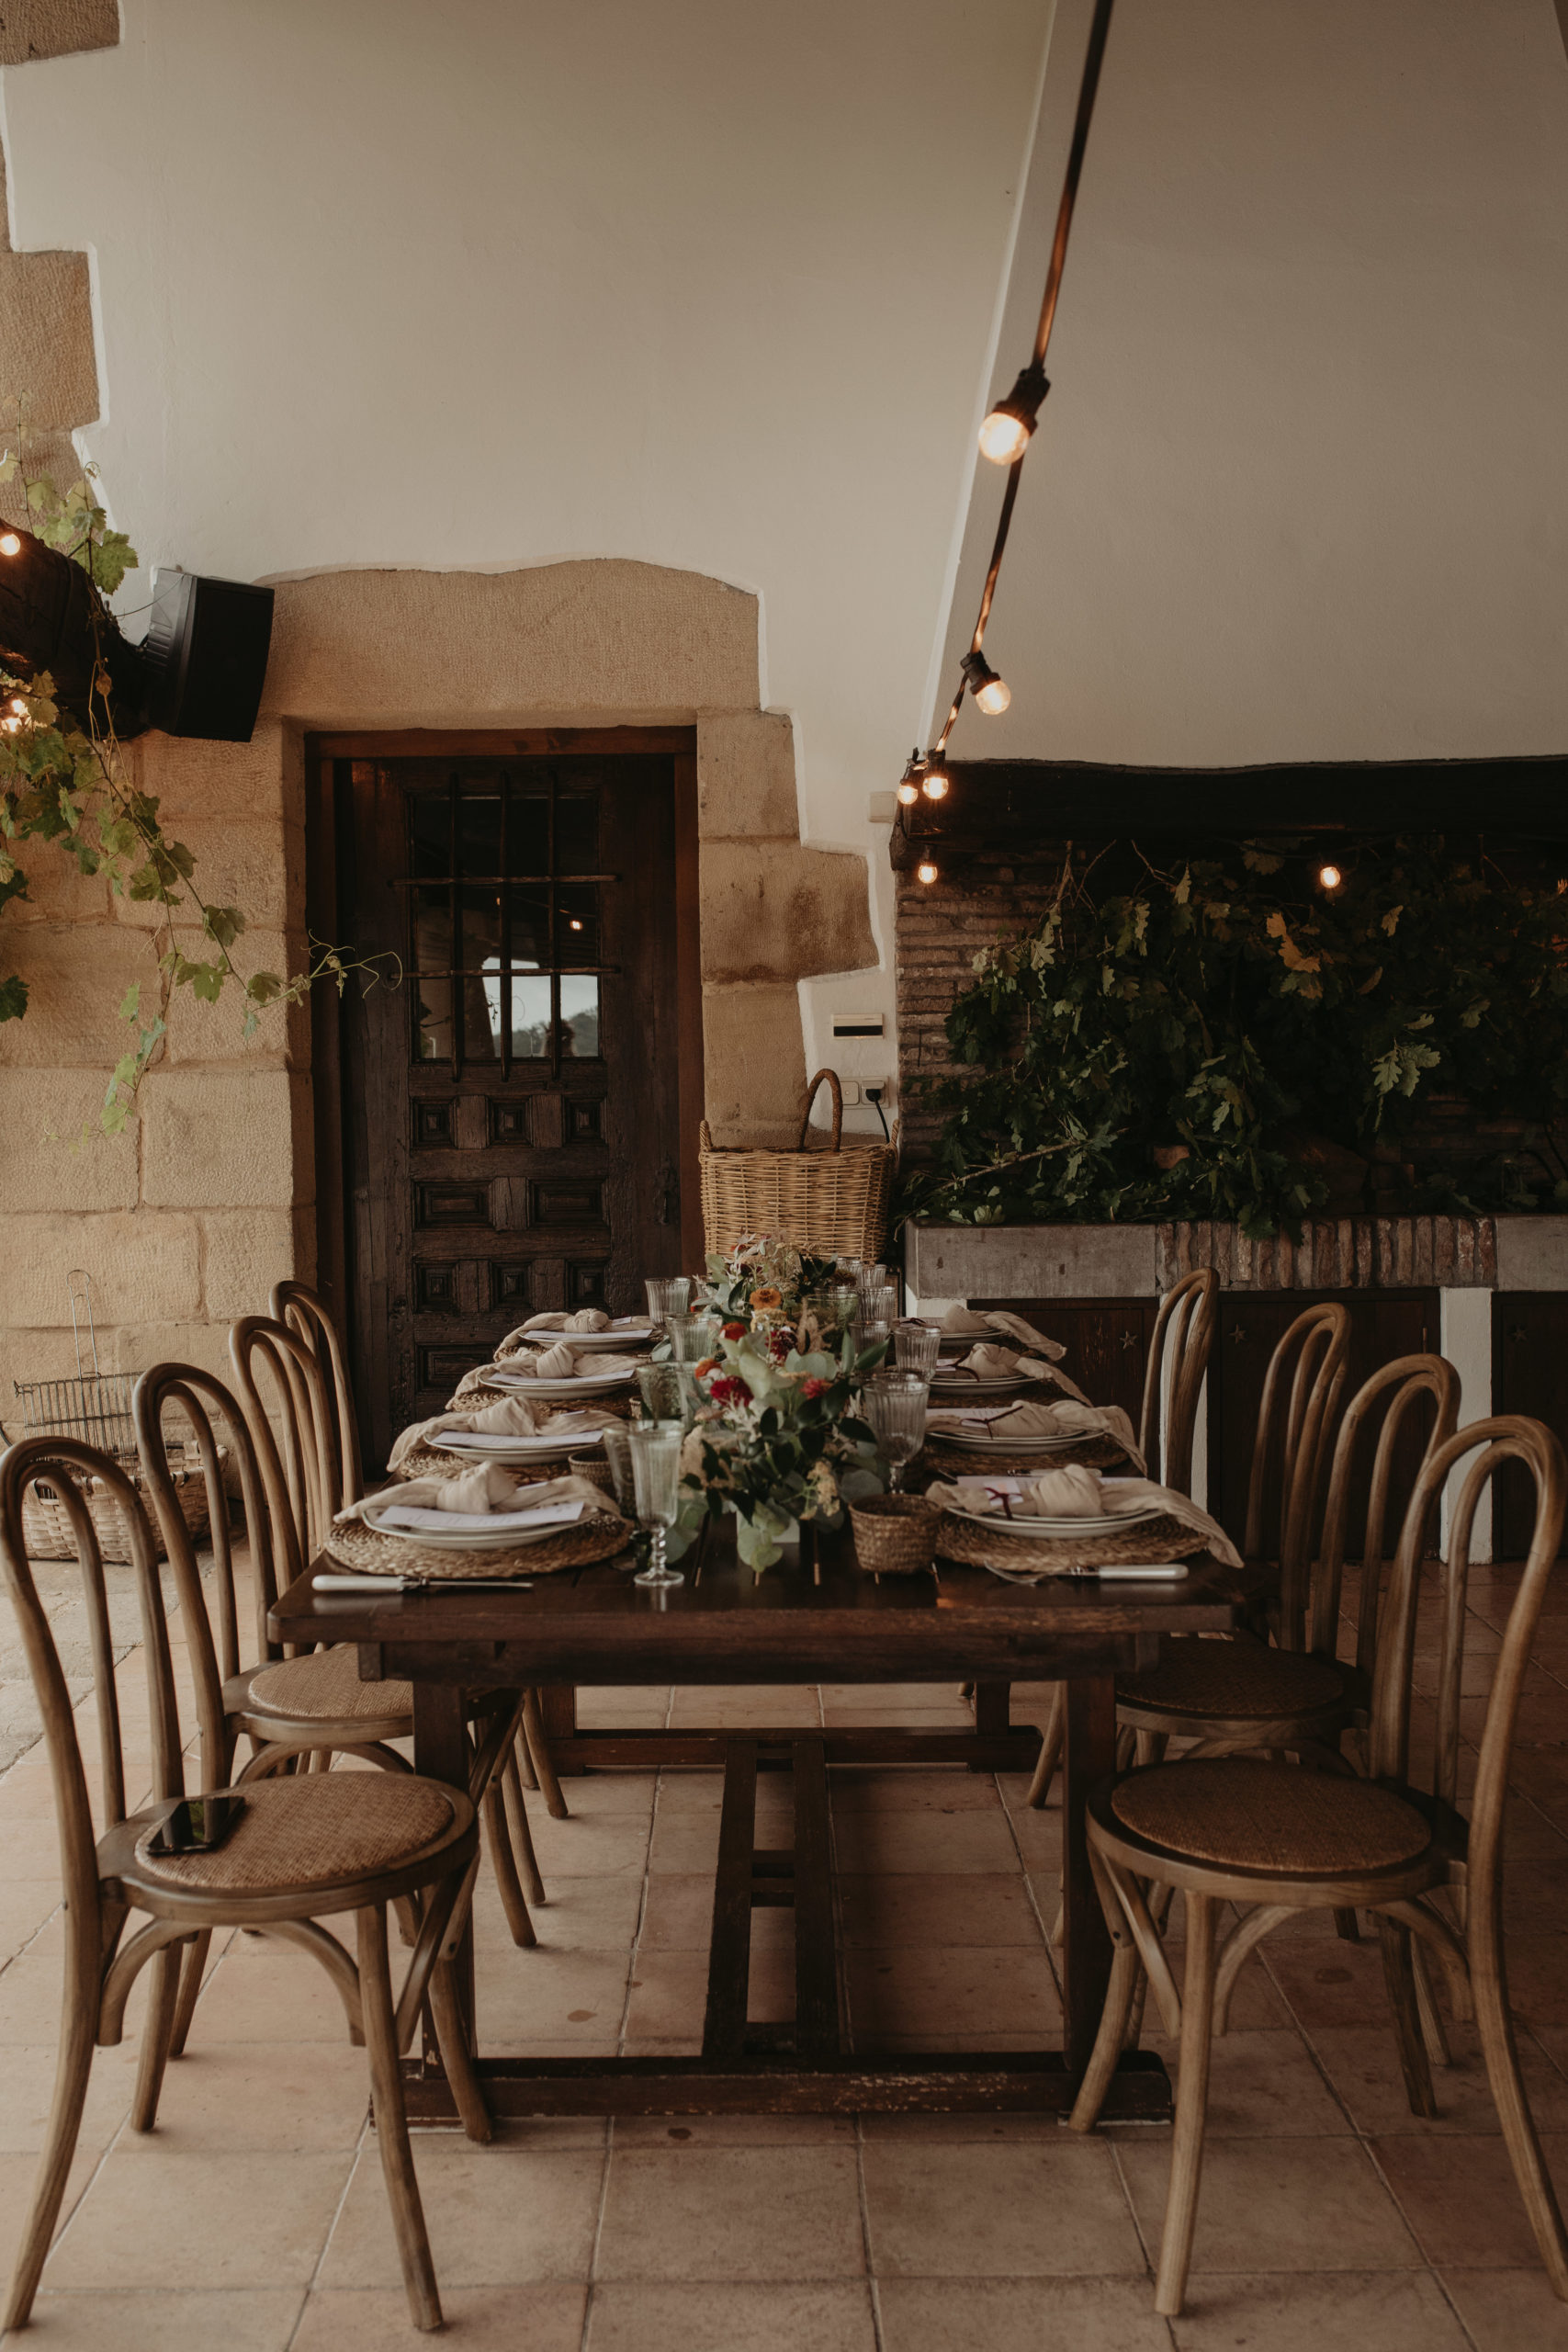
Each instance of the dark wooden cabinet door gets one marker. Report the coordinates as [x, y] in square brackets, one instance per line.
[511, 1108]
[1530, 1375]
[1383, 1324]
[1107, 1340]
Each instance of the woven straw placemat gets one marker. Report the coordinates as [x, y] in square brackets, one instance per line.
[1153, 1539]
[431, 1461]
[939, 1460]
[361, 1548]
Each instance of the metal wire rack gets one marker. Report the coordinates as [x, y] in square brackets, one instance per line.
[95, 1406]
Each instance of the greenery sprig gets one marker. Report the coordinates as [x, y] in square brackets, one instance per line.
[62, 781]
[1186, 1048]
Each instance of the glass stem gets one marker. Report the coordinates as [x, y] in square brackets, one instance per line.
[895, 1476]
[656, 1555]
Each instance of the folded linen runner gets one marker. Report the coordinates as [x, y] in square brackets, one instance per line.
[486, 1488]
[962, 1322]
[1063, 1418]
[1075, 1492]
[512, 1417]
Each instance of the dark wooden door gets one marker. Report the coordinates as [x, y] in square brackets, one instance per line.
[511, 1108]
[1383, 1324]
[1530, 1375]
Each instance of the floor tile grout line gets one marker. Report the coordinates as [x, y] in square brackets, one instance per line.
[874, 2289]
[349, 2178]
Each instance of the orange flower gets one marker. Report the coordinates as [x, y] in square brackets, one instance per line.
[767, 1298]
[708, 1363]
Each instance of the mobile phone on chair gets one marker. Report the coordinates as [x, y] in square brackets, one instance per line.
[196, 1825]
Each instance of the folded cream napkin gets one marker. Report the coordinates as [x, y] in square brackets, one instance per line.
[1075, 1492]
[1064, 1418]
[560, 1363]
[487, 1488]
[513, 1417]
[962, 1322]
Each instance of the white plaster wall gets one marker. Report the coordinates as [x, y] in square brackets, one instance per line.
[1300, 490]
[501, 282]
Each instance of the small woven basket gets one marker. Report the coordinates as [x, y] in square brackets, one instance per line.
[46, 1530]
[894, 1534]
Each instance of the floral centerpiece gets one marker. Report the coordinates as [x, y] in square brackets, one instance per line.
[774, 1438]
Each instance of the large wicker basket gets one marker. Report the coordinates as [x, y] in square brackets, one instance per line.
[46, 1529]
[830, 1199]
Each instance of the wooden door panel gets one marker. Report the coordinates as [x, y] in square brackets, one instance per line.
[1107, 1340]
[1530, 1375]
[1384, 1325]
[511, 1142]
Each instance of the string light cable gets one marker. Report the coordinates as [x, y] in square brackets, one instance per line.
[1005, 437]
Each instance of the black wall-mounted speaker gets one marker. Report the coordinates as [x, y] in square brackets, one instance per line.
[204, 656]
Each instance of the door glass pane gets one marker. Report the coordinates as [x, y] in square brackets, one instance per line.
[478, 833]
[530, 1014]
[577, 924]
[577, 833]
[431, 915]
[482, 1012]
[530, 926]
[528, 823]
[430, 829]
[480, 912]
[432, 1018]
[580, 1015]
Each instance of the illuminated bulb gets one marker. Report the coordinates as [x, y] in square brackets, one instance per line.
[934, 785]
[10, 725]
[10, 544]
[1005, 435]
[1330, 876]
[575, 925]
[18, 706]
[908, 793]
[925, 871]
[992, 695]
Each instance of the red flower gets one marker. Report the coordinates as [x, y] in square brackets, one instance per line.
[735, 1330]
[813, 1388]
[780, 1345]
[732, 1391]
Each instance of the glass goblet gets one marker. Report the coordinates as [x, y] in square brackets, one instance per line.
[894, 1405]
[659, 1385]
[656, 1478]
[879, 1301]
[669, 1294]
[617, 1436]
[692, 1336]
[915, 1348]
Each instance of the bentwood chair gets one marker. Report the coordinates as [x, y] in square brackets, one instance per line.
[1278, 1839]
[288, 1708]
[303, 1312]
[1295, 1415]
[302, 1851]
[1173, 1378]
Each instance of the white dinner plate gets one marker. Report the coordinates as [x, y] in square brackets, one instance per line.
[1055, 1529]
[474, 1539]
[514, 1449]
[630, 1335]
[976, 1444]
[583, 1384]
[996, 1384]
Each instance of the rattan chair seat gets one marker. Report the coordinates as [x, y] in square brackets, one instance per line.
[325, 1687]
[1256, 1816]
[1232, 1678]
[317, 1831]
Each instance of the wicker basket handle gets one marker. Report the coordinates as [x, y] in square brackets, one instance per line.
[832, 1078]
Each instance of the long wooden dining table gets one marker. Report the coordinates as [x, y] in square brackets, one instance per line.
[812, 1619]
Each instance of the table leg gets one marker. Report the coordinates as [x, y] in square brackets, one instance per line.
[1089, 1753]
[441, 1753]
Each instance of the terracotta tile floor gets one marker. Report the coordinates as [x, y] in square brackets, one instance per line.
[253, 2218]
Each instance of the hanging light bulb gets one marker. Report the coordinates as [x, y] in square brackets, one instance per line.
[18, 706]
[992, 695]
[934, 784]
[925, 871]
[1006, 432]
[909, 782]
[10, 544]
[1330, 876]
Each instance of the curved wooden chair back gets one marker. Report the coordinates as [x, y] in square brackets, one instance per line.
[1409, 1378]
[304, 1312]
[46, 1460]
[1295, 1415]
[216, 1418]
[1507, 1437]
[272, 1363]
[1173, 1379]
